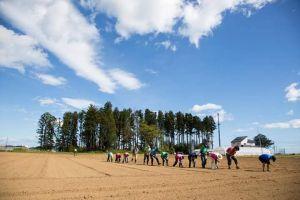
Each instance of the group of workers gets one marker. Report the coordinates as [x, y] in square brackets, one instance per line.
[215, 157]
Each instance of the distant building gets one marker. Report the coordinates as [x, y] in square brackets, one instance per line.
[12, 147]
[243, 141]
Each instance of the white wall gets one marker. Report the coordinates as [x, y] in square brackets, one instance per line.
[247, 151]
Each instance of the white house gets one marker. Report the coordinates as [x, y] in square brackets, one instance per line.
[243, 141]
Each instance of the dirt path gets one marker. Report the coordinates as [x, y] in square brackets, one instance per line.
[89, 176]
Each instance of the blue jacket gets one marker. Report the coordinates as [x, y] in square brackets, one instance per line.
[265, 157]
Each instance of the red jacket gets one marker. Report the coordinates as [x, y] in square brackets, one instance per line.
[231, 151]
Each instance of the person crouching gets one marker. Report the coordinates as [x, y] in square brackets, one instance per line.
[215, 159]
[118, 158]
[125, 157]
[192, 159]
[230, 155]
[265, 159]
[178, 159]
[165, 158]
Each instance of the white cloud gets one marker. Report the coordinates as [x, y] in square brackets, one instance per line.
[167, 45]
[200, 18]
[18, 51]
[290, 112]
[151, 71]
[51, 80]
[195, 18]
[213, 110]
[210, 106]
[139, 16]
[78, 103]
[47, 101]
[59, 27]
[292, 92]
[241, 130]
[125, 79]
[223, 116]
[295, 123]
[255, 123]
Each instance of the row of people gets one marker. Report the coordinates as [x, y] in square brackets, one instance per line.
[151, 155]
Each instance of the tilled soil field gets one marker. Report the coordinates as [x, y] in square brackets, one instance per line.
[89, 176]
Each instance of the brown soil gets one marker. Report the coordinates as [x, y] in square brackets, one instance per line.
[89, 176]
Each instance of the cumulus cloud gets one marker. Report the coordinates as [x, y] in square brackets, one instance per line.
[51, 80]
[139, 17]
[125, 79]
[167, 45]
[195, 18]
[60, 28]
[18, 51]
[77, 103]
[213, 110]
[200, 18]
[292, 92]
[295, 123]
[209, 106]
[47, 101]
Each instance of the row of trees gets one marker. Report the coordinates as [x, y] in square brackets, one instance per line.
[105, 128]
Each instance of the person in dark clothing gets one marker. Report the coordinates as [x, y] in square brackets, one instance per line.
[118, 158]
[265, 159]
[147, 155]
[230, 155]
[192, 159]
[153, 156]
[203, 155]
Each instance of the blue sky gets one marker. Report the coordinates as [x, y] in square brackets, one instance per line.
[238, 58]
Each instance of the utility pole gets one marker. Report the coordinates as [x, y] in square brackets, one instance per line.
[259, 141]
[219, 131]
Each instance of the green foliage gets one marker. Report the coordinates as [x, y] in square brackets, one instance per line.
[103, 128]
[46, 130]
[182, 148]
[149, 132]
[262, 140]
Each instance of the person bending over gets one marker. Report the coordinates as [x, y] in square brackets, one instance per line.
[110, 156]
[203, 155]
[215, 159]
[125, 157]
[178, 159]
[230, 155]
[118, 158]
[265, 159]
[153, 152]
[192, 159]
[147, 155]
[165, 158]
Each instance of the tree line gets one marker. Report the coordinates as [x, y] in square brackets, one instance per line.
[102, 128]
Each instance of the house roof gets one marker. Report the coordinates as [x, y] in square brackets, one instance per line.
[250, 141]
[238, 139]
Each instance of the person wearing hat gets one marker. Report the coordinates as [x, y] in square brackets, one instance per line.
[215, 159]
